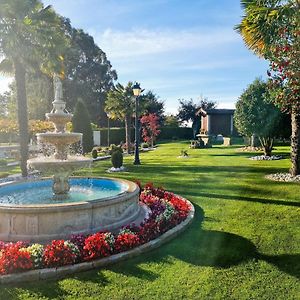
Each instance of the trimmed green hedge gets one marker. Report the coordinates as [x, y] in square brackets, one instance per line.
[175, 133]
[117, 135]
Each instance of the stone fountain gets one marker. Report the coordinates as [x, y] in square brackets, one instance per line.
[61, 164]
[46, 208]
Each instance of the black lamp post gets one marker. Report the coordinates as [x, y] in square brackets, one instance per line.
[136, 92]
[108, 129]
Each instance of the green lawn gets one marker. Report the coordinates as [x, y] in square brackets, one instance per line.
[243, 244]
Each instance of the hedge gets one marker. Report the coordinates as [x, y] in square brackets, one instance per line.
[117, 135]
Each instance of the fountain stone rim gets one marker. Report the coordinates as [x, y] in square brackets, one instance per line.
[132, 190]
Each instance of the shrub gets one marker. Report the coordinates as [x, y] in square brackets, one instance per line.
[4, 174]
[114, 148]
[3, 162]
[117, 159]
[60, 253]
[144, 145]
[94, 153]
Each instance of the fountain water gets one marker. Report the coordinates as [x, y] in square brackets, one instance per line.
[29, 211]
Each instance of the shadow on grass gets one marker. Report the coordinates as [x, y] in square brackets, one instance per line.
[224, 250]
[247, 199]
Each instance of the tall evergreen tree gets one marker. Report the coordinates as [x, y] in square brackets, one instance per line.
[81, 123]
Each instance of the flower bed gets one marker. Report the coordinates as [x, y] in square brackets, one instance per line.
[166, 211]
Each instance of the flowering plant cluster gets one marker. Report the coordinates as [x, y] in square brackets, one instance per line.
[166, 211]
[150, 128]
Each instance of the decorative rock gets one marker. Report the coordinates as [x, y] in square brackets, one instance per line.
[283, 177]
[113, 170]
[266, 157]
[250, 149]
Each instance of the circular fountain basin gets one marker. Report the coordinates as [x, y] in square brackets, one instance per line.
[28, 210]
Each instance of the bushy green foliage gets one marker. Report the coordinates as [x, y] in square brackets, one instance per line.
[117, 159]
[3, 162]
[255, 114]
[94, 153]
[114, 148]
[178, 133]
[81, 123]
[144, 145]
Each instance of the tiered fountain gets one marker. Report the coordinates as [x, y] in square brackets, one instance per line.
[60, 164]
[55, 208]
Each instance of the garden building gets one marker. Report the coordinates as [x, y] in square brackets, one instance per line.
[217, 121]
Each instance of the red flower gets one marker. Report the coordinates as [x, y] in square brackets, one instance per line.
[96, 246]
[13, 260]
[59, 253]
[126, 241]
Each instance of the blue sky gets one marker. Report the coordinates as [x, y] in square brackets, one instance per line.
[177, 49]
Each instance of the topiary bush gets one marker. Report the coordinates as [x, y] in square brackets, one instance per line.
[117, 159]
[144, 145]
[94, 153]
[114, 148]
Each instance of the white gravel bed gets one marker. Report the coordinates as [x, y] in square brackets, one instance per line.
[283, 177]
[113, 170]
[266, 157]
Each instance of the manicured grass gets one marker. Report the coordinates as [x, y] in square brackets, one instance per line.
[243, 243]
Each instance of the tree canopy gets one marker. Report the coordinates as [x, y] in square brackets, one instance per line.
[255, 114]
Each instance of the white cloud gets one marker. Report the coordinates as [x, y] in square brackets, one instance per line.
[141, 42]
[4, 83]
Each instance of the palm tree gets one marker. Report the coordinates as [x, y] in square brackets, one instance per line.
[120, 105]
[261, 29]
[29, 35]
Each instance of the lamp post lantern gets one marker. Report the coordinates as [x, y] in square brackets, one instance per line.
[108, 128]
[136, 89]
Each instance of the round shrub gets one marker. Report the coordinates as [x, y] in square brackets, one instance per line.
[144, 145]
[94, 153]
[117, 159]
[115, 148]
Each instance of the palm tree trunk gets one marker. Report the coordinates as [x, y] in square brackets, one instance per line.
[295, 142]
[127, 133]
[267, 144]
[22, 114]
